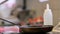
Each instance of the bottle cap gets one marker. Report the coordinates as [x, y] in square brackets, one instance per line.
[47, 6]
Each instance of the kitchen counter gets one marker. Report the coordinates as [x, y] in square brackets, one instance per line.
[35, 33]
[54, 33]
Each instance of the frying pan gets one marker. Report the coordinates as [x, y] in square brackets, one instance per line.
[44, 28]
[34, 29]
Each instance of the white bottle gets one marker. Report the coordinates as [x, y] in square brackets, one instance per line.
[48, 17]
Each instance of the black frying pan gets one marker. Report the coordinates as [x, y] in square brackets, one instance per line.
[34, 29]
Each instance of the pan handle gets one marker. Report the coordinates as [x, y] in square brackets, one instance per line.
[3, 2]
[8, 21]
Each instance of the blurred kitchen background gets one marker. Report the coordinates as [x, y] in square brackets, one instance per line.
[39, 8]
